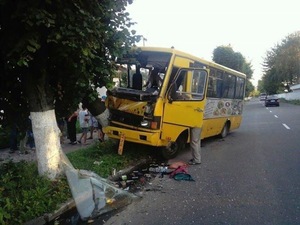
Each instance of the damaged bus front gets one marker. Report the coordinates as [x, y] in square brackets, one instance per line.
[143, 105]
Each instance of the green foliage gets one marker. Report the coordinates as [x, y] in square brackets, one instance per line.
[260, 86]
[4, 137]
[282, 65]
[25, 195]
[225, 55]
[52, 51]
[56, 53]
[249, 88]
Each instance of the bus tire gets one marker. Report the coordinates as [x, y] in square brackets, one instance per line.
[170, 152]
[225, 130]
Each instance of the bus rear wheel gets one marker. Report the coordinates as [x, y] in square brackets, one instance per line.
[170, 152]
[225, 130]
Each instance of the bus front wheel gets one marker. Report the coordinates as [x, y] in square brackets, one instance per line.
[225, 130]
[171, 151]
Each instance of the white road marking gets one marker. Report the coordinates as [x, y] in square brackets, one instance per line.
[276, 116]
[286, 126]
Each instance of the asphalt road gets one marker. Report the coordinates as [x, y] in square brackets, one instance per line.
[250, 177]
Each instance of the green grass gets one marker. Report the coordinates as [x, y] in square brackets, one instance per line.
[102, 158]
[24, 195]
[294, 102]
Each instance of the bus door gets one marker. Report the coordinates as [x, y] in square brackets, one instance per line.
[186, 95]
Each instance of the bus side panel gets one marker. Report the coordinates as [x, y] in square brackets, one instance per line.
[171, 132]
[235, 122]
[217, 112]
[212, 127]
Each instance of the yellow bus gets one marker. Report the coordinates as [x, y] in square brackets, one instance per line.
[161, 93]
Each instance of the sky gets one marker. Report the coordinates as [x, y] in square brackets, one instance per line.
[198, 27]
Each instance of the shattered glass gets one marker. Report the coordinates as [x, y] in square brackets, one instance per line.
[93, 194]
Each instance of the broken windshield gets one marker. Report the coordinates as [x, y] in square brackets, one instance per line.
[143, 71]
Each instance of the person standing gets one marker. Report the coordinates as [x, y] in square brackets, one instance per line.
[100, 133]
[195, 145]
[30, 140]
[13, 139]
[93, 123]
[84, 118]
[71, 127]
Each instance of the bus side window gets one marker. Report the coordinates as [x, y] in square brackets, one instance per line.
[219, 84]
[228, 86]
[211, 89]
[239, 91]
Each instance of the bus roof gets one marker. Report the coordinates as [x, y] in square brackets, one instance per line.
[187, 55]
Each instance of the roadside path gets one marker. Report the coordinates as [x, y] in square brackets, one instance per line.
[31, 156]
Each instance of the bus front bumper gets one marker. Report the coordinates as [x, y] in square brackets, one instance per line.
[136, 136]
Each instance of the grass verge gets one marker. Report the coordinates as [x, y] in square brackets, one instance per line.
[24, 195]
[294, 102]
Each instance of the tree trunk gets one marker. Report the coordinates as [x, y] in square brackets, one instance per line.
[47, 141]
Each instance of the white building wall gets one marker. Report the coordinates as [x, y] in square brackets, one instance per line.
[295, 95]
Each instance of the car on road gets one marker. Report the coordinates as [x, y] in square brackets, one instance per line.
[271, 100]
[262, 96]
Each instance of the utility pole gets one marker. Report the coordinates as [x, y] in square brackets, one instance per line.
[144, 40]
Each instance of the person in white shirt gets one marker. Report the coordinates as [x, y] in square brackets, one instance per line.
[83, 118]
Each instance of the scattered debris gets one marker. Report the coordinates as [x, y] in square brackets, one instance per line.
[181, 173]
[93, 194]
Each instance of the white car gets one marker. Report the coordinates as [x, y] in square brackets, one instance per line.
[262, 96]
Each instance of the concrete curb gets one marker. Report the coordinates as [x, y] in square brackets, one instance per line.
[70, 204]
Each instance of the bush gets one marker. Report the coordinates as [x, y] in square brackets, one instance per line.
[4, 137]
[24, 195]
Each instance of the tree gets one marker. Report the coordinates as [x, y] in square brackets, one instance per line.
[225, 55]
[52, 55]
[249, 88]
[281, 64]
[260, 87]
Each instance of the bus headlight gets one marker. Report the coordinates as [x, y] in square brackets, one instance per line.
[145, 123]
[149, 124]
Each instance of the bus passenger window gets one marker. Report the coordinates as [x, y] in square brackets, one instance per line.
[212, 86]
[228, 86]
[239, 91]
[219, 84]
